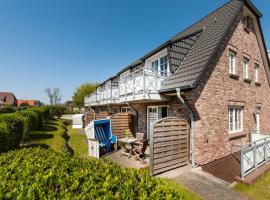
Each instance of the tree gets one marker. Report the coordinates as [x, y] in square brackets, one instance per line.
[53, 95]
[56, 96]
[49, 93]
[81, 92]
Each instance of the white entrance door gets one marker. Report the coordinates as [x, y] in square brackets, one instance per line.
[155, 113]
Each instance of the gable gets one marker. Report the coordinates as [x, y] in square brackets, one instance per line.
[214, 27]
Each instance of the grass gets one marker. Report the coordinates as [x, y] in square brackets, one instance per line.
[260, 190]
[49, 136]
[78, 142]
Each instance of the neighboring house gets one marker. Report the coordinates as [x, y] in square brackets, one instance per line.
[31, 103]
[221, 67]
[7, 99]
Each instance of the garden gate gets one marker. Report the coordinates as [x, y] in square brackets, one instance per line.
[169, 146]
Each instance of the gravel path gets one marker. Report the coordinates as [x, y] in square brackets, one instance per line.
[207, 186]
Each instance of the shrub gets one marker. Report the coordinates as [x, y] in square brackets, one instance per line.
[57, 111]
[41, 117]
[14, 128]
[37, 173]
[33, 118]
[7, 109]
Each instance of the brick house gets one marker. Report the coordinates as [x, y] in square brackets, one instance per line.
[218, 69]
[31, 103]
[7, 98]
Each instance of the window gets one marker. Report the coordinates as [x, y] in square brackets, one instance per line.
[232, 60]
[161, 65]
[245, 68]
[235, 119]
[164, 65]
[256, 73]
[126, 110]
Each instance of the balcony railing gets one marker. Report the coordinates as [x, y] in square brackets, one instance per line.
[139, 85]
[253, 155]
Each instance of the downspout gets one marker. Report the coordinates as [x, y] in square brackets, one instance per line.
[137, 116]
[193, 160]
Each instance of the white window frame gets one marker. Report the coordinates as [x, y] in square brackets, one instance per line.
[157, 65]
[232, 62]
[157, 107]
[245, 68]
[126, 110]
[256, 73]
[235, 126]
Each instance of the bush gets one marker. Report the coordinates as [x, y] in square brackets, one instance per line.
[33, 118]
[57, 111]
[7, 109]
[13, 130]
[37, 173]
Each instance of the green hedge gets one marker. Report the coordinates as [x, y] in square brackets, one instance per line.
[37, 173]
[21, 123]
[14, 128]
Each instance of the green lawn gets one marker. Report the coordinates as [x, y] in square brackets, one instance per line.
[260, 190]
[49, 136]
[78, 142]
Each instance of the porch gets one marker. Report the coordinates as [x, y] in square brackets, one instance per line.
[141, 84]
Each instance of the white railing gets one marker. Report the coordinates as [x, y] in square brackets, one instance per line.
[108, 95]
[143, 81]
[138, 84]
[253, 155]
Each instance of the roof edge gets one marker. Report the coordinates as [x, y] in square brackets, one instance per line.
[186, 87]
[253, 8]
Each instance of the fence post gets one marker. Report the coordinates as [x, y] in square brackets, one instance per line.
[242, 164]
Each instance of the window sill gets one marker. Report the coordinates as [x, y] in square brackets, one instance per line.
[247, 80]
[257, 84]
[234, 76]
[233, 136]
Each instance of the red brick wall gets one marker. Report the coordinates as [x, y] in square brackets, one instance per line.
[218, 90]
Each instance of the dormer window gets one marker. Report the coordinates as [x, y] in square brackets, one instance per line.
[161, 65]
[247, 21]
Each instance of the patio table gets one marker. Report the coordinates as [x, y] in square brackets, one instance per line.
[127, 141]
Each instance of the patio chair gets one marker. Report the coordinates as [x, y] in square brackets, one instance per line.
[139, 151]
[139, 138]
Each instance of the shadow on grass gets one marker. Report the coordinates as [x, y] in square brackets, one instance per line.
[39, 136]
[26, 146]
[49, 128]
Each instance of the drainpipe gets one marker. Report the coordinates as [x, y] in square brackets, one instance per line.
[178, 90]
[137, 116]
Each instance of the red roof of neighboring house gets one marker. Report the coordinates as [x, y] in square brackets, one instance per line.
[7, 98]
[29, 102]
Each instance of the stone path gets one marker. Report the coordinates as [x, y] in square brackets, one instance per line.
[205, 185]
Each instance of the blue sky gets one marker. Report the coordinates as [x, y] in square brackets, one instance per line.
[64, 43]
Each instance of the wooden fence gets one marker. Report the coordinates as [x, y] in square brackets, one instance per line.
[101, 115]
[122, 123]
[169, 145]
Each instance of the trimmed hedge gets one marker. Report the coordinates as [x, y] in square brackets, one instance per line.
[37, 173]
[21, 123]
[14, 128]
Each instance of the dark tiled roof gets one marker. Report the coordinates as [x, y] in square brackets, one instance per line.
[8, 98]
[214, 28]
